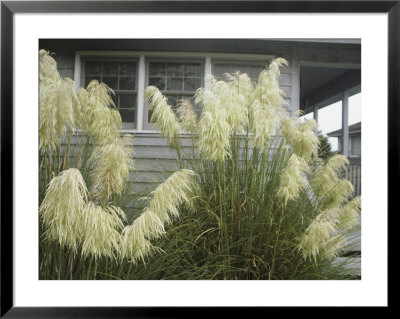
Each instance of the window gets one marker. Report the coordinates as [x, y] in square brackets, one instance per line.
[176, 75]
[121, 76]
[175, 79]
[251, 68]
[355, 145]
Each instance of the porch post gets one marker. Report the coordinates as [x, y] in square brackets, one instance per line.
[316, 113]
[345, 124]
[140, 94]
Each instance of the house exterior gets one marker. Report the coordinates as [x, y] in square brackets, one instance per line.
[320, 72]
[354, 140]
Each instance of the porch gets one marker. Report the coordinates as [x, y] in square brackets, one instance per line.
[322, 85]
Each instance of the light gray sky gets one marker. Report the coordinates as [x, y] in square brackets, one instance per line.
[330, 117]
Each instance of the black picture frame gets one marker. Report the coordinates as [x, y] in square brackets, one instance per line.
[9, 8]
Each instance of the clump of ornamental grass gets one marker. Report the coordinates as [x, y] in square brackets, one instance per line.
[253, 201]
[265, 206]
[85, 164]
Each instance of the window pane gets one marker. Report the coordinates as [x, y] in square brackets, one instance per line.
[192, 70]
[191, 84]
[175, 69]
[219, 70]
[118, 75]
[157, 69]
[111, 81]
[93, 68]
[174, 84]
[172, 100]
[176, 80]
[110, 68]
[127, 115]
[127, 83]
[158, 82]
[127, 100]
[127, 68]
[252, 70]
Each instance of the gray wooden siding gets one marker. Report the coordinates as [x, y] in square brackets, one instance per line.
[65, 64]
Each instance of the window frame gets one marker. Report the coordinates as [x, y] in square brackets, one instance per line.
[84, 59]
[146, 124]
[143, 56]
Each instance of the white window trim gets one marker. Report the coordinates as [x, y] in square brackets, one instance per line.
[208, 57]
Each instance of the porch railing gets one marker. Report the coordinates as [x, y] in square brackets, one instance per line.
[353, 174]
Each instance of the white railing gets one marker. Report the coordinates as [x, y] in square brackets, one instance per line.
[353, 174]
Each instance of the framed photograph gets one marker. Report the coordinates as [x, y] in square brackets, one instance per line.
[162, 155]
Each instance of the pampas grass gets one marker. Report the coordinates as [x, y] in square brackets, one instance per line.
[253, 201]
[265, 206]
[83, 222]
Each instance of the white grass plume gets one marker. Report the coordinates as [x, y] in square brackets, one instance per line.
[135, 241]
[48, 72]
[229, 97]
[112, 164]
[58, 105]
[267, 108]
[293, 178]
[103, 121]
[134, 246]
[301, 136]
[242, 83]
[267, 89]
[214, 127]
[264, 121]
[62, 208]
[319, 234]
[328, 187]
[350, 212]
[162, 115]
[165, 201]
[174, 191]
[102, 226]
